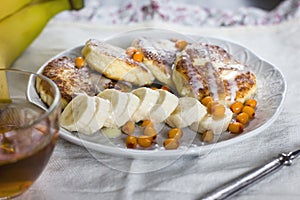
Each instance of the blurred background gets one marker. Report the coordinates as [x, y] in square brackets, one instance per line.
[236, 4]
[209, 13]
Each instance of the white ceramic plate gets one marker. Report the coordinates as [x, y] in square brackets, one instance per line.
[271, 90]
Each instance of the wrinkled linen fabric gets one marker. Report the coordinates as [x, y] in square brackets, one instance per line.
[74, 172]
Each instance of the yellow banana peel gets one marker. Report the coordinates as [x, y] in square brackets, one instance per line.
[19, 30]
[20, 23]
[9, 7]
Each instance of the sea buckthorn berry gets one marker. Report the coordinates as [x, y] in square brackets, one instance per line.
[207, 136]
[164, 87]
[236, 127]
[250, 111]
[209, 105]
[206, 100]
[150, 131]
[181, 44]
[242, 117]
[144, 141]
[130, 51]
[128, 127]
[236, 107]
[171, 143]
[147, 122]
[251, 102]
[131, 142]
[138, 56]
[218, 111]
[175, 133]
[79, 62]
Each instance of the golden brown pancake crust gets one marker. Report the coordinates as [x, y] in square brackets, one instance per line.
[72, 81]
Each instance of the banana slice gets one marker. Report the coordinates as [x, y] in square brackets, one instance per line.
[101, 115]
[218, 126]
[111, 132]
[165, 105]
[188, 111]
[78, 113]
[118, 110]
[132, 105]
[148, 99]
[84, 114]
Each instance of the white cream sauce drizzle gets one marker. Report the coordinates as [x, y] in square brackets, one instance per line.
[194, 74]
[214, 61]
[162, 50]
[212, 81]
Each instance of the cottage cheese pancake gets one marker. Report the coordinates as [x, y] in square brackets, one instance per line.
[72, 81]
[114, 63]
[208, 70]
[159, 56]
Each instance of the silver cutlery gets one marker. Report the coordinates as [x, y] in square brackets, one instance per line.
[239, 184]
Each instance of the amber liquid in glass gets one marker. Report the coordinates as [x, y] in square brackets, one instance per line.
[23, 152]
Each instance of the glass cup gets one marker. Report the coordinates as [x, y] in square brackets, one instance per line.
[28, 129]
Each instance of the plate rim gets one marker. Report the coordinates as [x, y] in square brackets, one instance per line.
[191, 151]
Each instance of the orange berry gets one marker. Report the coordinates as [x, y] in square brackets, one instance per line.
[206, 100]
[144, 141]
[79, 62]
[131, 142]
[175, 133]
[130, 51]
[147, 122]
[171, 143]
[207, 136]
[218, 111]
[236, 107]
[242, 117]
[251, 102]
[209, 106]
[128, 127]
[250, 111]
[138, 56]
[236, 127]
[181, 44]
[166, 88]
[150, 131]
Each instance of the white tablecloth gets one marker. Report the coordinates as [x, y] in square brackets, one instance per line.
[73, 173]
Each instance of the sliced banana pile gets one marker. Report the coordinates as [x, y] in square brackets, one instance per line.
[112, 109]
[85, 114]
[118, 113]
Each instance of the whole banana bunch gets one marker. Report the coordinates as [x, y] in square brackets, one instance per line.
[21, 21]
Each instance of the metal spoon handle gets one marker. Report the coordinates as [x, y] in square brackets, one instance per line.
[237, 185]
